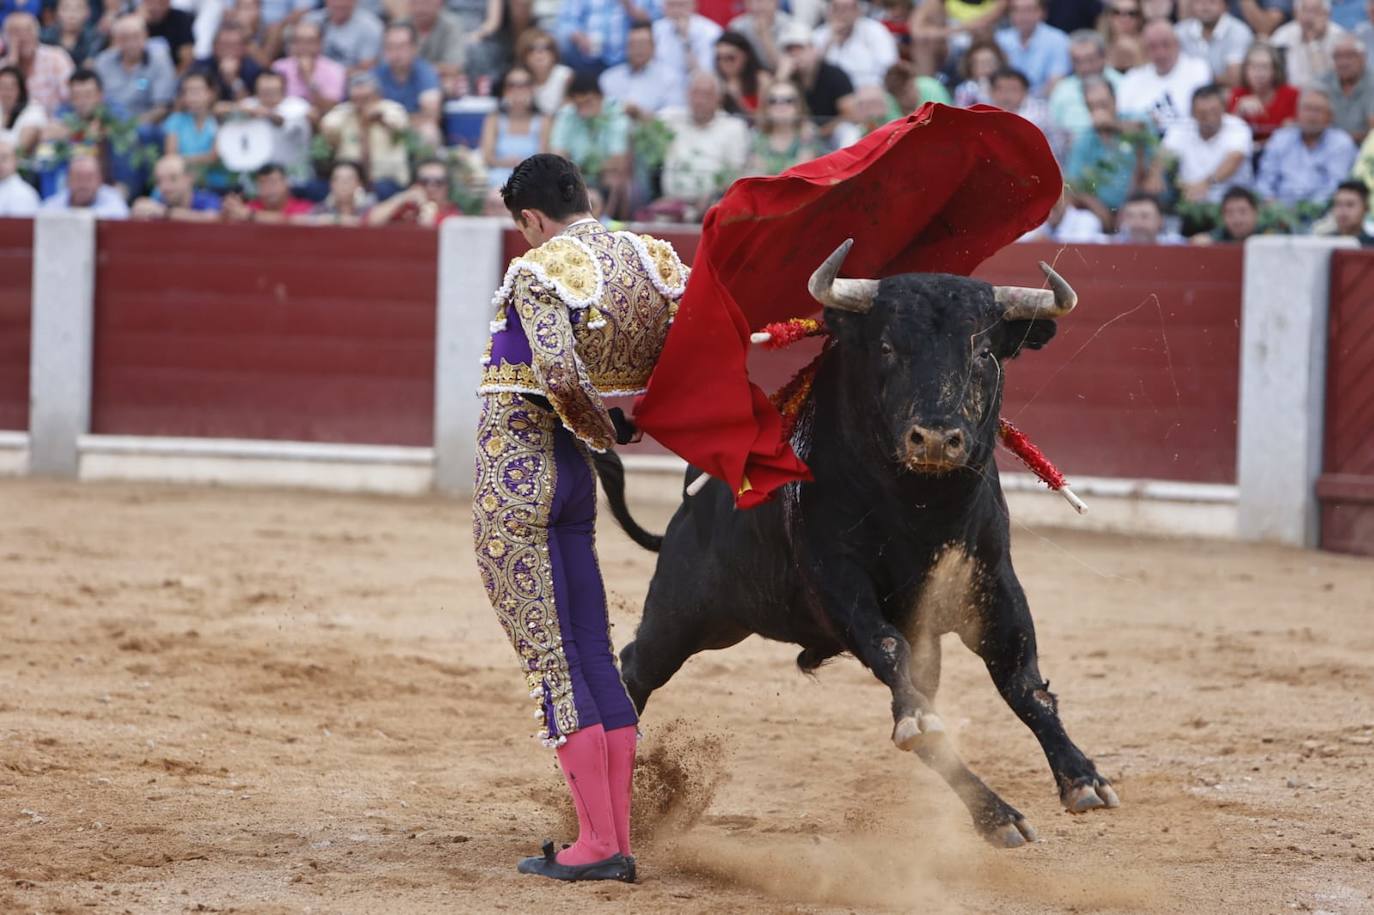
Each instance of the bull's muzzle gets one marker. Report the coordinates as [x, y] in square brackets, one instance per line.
[936, 449]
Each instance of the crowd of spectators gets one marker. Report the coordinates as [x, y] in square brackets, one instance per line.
[1173, 120]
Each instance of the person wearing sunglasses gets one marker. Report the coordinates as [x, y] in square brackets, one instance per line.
[424, 203]
[516, 131]
[742, 78]
[785, 135]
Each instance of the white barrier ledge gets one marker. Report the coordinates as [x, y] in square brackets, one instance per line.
[1153, 507]
[14, 454]
[387, 469]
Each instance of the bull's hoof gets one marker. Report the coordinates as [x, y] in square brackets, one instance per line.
[1089, 794]
[1011, 835]
[910, 731]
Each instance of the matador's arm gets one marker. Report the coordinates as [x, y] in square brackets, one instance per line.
[556, 364]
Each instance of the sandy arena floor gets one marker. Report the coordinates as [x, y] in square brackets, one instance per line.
[216, 700]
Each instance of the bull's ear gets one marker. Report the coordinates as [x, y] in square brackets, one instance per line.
[1018, 335]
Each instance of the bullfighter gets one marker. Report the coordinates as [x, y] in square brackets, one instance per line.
[580, 317]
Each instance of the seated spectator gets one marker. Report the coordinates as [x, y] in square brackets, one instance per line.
[825, 87]
[309, 74]
[1351, 89]
[869, 112]
[983, 58]
[73, 31]
[410, 81]
[86, 190]
[289, 119]
[1161, 91]
[859, 46]
[232, 71]
[45, 68]
[1142, 223]
[643, 85]
[90, 121]
[136, 75]
[684, 41]
[273, 202]
[440, 34]
[382, 151]
[426, 203]
[176, 196]
[190, 132]
[348, 202]
[174, 27]
[1125, 53]
[515, 132]
[1364, 31]
[351, 36]
[1239, 219]
[1307, 42]
[1068, 113]
[709, 148]
[1121, 19]
[21, 118]
[939, 25]
[1011, 92]
[1305, 162]
[1106, 164]
[742, 79]
[762, 23]
[907, 91]
[1349, 210]
[784, 134]
[263, 39]
[1217, 37]
[1039, 51]
[17, 196]
[591, 33]
[1262, 16]
[1068, 224]
[1212, 149]
[595, 135]
[537, 52]
[1263, 99]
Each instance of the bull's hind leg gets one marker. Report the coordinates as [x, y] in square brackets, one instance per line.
[1006, 643]
[997, 821]
[667, 636]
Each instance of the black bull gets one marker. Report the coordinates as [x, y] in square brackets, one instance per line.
[902, 537]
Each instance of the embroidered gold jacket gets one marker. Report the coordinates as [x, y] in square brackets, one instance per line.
[581, 317]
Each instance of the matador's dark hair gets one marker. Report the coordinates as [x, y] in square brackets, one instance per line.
[547, 183]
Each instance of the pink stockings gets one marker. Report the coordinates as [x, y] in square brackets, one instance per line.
[599, 768]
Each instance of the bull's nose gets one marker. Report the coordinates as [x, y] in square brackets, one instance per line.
[936, 446]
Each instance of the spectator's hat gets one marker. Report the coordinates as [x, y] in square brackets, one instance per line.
[793, 34]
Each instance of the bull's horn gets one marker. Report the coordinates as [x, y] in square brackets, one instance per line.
[848, 295]
[1022, 303]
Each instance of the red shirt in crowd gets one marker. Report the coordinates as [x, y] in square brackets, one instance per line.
[294, 207]
[1282, 107]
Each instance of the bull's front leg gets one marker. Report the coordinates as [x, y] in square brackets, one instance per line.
[1005, 640]
[850, 603]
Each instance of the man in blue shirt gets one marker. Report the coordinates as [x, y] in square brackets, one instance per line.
[643, 85]
[1305, 162]
[176, 196]
[1036, 49]
[591, 33]
[409, 80]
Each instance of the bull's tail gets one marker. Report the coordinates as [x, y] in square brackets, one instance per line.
[612, 474]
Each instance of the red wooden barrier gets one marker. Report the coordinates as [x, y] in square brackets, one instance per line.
[16, 286]
[266, 332]
[1143, 379]
[1346, 486]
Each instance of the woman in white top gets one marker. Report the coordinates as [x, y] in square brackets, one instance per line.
[537, 52]
[515, 132]
[21, 121]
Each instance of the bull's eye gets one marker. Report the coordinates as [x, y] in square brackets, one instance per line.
[985, 354]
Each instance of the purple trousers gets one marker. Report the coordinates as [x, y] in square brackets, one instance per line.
[534, 530]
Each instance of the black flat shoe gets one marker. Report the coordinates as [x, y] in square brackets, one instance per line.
[616, 867]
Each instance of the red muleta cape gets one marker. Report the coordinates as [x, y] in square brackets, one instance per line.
[937, 191]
